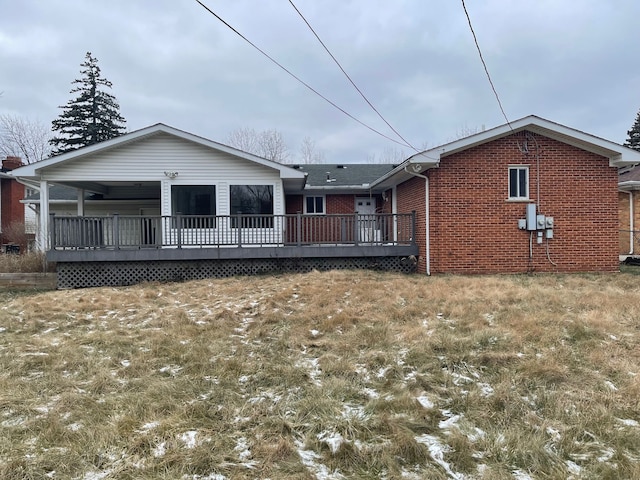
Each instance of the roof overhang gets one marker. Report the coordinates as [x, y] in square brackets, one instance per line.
[417, 164]
[617, 154]
[291, 177]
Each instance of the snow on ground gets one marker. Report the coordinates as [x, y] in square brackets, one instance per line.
[463, 376]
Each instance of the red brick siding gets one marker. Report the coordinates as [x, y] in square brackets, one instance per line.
[319, 228]
[411, 197]
[12, 211]
[474, 229]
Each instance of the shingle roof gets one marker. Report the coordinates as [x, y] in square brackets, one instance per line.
[344, 174]
[631, 175]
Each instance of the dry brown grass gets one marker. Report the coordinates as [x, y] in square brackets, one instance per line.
[359, 374]
[31, 262]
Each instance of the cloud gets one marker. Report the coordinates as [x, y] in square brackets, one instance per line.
[171, 61]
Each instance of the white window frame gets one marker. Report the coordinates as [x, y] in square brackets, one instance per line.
[518, 196]
[324, 204]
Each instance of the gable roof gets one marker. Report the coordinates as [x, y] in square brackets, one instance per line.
[618, 155]
[33, 170]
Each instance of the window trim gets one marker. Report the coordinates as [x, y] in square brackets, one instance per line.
[519, 196]
[324, 204]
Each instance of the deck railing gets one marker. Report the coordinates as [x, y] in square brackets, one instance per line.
[203, 231]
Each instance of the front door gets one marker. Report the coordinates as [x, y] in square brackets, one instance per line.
[366, 228]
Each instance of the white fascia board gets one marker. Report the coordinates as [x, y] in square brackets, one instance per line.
[35, 169]
[629, 185]
[617, 154]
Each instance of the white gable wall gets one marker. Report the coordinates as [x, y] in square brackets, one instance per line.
[147, 160]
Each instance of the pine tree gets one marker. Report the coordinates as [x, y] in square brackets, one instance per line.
[633, 141]
[92, 117]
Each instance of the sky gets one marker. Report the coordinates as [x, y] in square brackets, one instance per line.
[170, 61]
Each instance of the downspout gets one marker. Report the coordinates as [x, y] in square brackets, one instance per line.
[426, 219]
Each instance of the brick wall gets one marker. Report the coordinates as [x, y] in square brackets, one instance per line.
[474, 228]
[411, 196]
[11, 192]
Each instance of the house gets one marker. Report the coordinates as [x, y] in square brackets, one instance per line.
[629, 209]
[160, 203]
[12, 212]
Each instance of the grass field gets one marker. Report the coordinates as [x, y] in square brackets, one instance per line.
[324, 375]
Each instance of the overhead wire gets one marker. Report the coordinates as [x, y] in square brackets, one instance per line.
[298, 78]
[484, 64]
[349, 77]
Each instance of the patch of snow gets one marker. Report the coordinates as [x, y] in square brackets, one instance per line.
[371, 393]
[211, 476]
[74, 427]
[173, 370]
[312, 367]
[314, 333]
[357, 412]
[425, 402]
[149, 426]
[242, 447]
[451, 421]
[554, 434]
[574, 468]
[611, 386]
[333, 439]
[521, 475]
[159, 450]
[189, 438]
[309, 459]
[486, 390]
[244, 379]
[628, 422]
[437, 451]
[97, 475]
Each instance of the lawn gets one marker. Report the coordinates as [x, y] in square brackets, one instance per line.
[324, 375]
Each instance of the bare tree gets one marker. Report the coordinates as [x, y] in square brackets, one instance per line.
[24, 138]
[388, 155]
[267, 144]
[309, 153]
[273, 146]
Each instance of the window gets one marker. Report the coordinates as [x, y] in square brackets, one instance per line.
[252, 200]
[197, 200]
[519, 183]
[314, 205]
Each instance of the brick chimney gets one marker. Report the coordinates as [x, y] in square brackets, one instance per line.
[11, 209]
[11, 163]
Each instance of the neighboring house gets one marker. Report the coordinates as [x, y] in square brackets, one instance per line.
[629, 209]
[160, 203]
[12, 212]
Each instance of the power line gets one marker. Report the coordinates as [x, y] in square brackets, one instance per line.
[486, 70]
[349, 78]
[297, 78]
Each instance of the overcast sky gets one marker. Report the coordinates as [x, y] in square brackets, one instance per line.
[573, 62]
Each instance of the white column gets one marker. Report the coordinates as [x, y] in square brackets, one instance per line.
[43, 240]
[81, 202]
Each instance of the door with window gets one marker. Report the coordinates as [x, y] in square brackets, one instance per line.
[367, 226]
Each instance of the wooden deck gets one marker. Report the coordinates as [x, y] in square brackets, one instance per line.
[155, 238]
